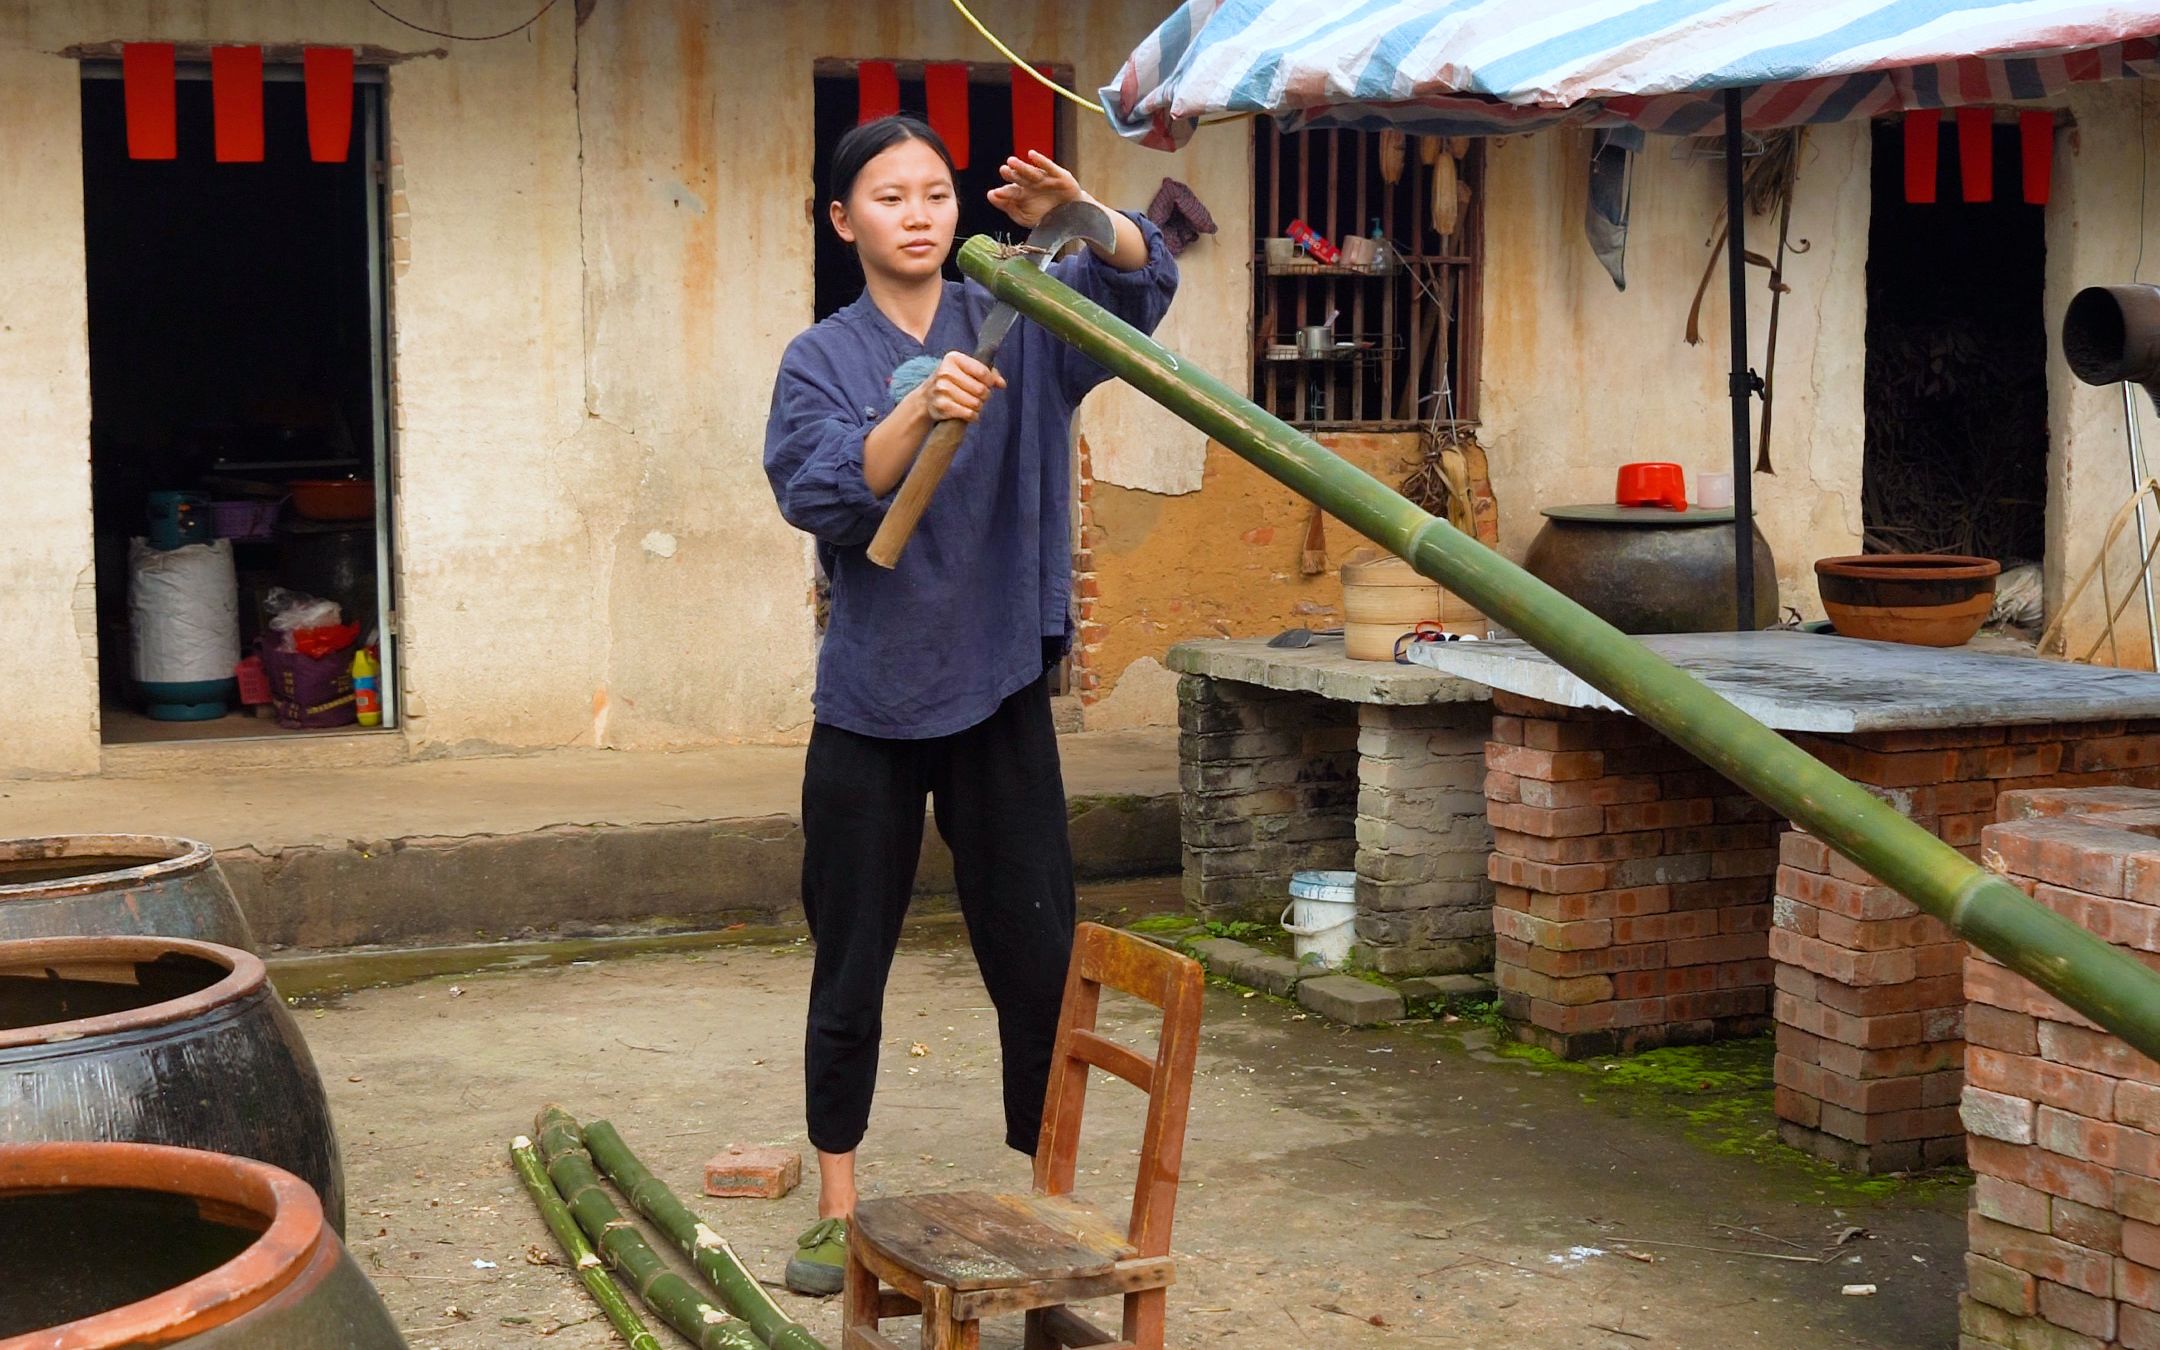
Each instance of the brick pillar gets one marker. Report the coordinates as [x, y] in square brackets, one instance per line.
[1870, 1009]
[1269, 786]
[1633, 885]
[2065, 1118]
[1424, 900]
[1870, 1014]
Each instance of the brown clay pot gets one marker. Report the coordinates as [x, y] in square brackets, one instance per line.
[85, 885]
[1924, 599]
[160, 1041]
[110, 1245]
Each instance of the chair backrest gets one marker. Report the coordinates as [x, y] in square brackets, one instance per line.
[1176, 984]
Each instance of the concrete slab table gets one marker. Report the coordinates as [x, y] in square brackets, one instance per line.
[1641, 899]
[1303, 758]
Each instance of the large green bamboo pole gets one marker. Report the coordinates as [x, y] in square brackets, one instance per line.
[707, 1250]
[2103, 982]
[675, 1299]
[601, 1285]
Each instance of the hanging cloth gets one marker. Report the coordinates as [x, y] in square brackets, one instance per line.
[1180, 215]
[1605, 214]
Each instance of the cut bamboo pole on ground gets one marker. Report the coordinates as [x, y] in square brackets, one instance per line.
[2103, 982]
[601, 1285]
[677, 1302]
[707, 1250]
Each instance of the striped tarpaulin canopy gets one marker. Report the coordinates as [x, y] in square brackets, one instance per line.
[1487, 67]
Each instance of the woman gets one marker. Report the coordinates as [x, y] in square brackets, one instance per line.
[933, 680]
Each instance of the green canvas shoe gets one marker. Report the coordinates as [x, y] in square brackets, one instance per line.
[819, 1267]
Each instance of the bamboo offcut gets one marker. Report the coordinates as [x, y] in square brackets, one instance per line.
[601, 1285]
[675, 1299]
[2103, 982]
[715, 1260]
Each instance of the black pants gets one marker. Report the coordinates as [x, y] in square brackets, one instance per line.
[1000, 805]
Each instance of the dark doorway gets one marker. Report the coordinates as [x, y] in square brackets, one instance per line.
[235, 333]
[1956, 389]
[990, 136]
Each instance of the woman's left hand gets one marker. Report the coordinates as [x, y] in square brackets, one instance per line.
[1033, 187]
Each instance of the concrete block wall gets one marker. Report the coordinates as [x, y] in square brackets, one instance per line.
[1424, 899]
[2064, 1231]
[1269, 786]
[1632, 894]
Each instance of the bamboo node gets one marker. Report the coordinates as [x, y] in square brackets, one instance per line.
[587, 1261]
[707, 1238]
[713, 1316]
[613, 1224]
[521, 1142]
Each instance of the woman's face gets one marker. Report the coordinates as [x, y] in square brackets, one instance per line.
[901, 213]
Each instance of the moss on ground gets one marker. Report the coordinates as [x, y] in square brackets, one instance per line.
[1722, 1095]
[1165, 923]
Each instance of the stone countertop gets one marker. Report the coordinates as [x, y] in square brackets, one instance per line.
[1320, 669]
[1834, 685]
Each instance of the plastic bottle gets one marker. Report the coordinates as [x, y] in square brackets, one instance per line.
[367, 686]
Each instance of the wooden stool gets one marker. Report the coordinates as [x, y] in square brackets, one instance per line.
[960, 1257]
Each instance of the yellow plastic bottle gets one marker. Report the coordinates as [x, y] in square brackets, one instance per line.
[367, 687]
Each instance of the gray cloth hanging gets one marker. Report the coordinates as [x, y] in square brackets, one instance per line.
[1605, 216]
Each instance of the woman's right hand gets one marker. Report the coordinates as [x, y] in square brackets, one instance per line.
[957, 389]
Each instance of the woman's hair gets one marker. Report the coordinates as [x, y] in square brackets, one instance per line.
[871, 139]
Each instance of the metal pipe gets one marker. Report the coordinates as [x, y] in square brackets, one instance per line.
[1738, 387]
[2137, 482]
[2105, 983]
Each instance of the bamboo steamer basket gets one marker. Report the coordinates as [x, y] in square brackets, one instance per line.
[1383, 598]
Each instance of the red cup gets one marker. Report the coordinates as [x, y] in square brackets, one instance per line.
[1652, 484]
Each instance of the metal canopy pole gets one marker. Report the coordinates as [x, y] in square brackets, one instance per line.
[1739, 385]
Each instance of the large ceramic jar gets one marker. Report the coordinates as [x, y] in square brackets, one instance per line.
[109, 1245]
[1646, 569]
[162, 1041]
[84, 885]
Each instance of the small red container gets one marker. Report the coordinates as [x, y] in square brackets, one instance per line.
[1652, 484]
[254, 683]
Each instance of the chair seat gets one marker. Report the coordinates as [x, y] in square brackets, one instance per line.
[978, 1240]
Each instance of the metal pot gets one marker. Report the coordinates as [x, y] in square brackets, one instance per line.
[1648, 569]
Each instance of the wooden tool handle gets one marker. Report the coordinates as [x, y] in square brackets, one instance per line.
[922, 481]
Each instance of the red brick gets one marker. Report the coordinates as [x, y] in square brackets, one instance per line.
[1744, 919]
[1502, 787]
[1962, 831]
[1542, 733]
[1798, 1107]
[2001, 1286]
[1641, 1012]
[2137, 1105]
[2141, 1242]
[2136, 1329]
[1567, 965]
[2000, 1029]
[2056, 1085]
[2032, 759]
[2093, 1141]
[1876, 1000]
[1840, 963]
[1507, 730]
[1721, 893]
[2062, 852]
[1890, 1127]
[1716, 839]
[2095, 1051]
[1660, 758]
[1598, 792]
[1665, 927]
[1659, 815]
[2029, 1165]
[2099, 1230]
[2045, 1257]
[1698, 782]
[753, 1172]
[1566, 992]
[2136, 1197]
[2088, 1314]
[1938, 960]
[1750, 863]
[1852, 899]
[1882, 935]
[1998, 986]
[1550, 823]
[1550, 935]
[1735, 810]
[1551, 878]
[1895, 1062]
[1718, 1003]
[2137, 1284]
[1582, 904]
[2118, 752]
[2019, 1206]
[1586, 848]
[1661, 983]
[1565, 766]
[1869, 1033]
[2126, 923]
[1711, 950]
[1571, 1020]
[1745, 974]
[1804, 852]
[1928, 738]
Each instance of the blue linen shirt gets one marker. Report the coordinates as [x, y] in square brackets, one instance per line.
[933, 646]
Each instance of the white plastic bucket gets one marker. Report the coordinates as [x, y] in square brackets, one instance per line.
[1319, 917]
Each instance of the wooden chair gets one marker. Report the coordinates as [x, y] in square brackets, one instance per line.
[958, 1258]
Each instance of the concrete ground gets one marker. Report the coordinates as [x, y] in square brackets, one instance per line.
[327, 850]
[1406, 1186]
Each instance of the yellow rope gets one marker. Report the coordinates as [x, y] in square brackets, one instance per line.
[1018, 63]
